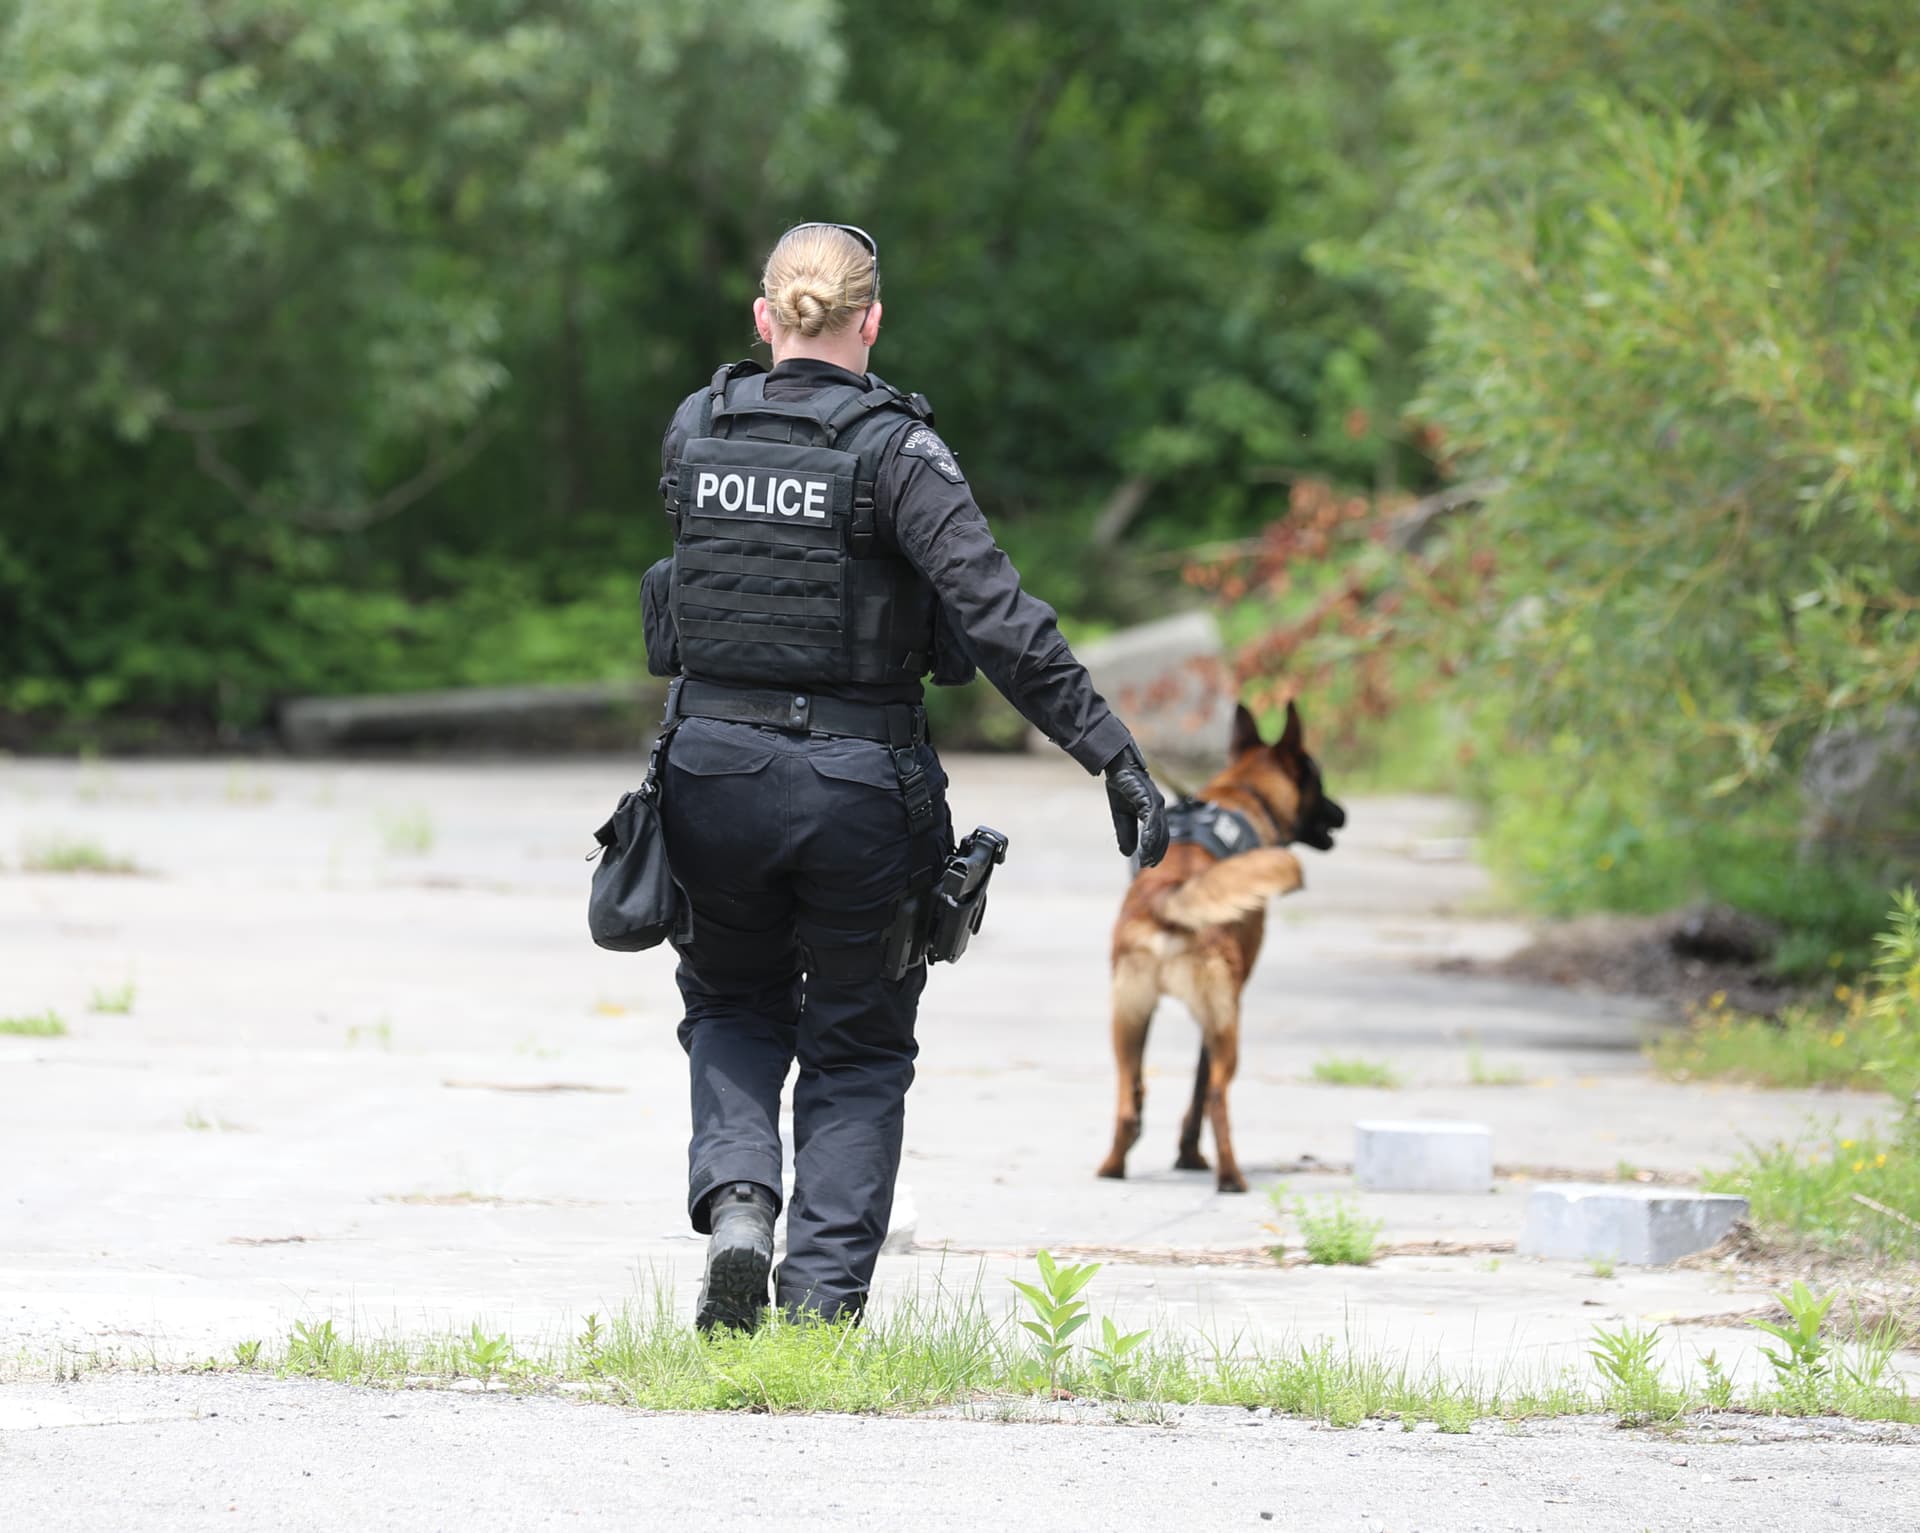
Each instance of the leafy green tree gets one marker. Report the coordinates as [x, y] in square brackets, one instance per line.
[340, 336]
[274, 274]
[1119, 226]
[1672, 253]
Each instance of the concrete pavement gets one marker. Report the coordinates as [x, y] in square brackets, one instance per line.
[186, 1453]
[375, 1070]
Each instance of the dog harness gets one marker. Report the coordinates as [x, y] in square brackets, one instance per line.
[1220, 831]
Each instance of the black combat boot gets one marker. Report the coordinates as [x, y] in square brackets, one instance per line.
[739, 1257]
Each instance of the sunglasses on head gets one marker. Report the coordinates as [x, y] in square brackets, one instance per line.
[872, 245]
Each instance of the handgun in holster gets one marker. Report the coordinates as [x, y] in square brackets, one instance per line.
[936, 926]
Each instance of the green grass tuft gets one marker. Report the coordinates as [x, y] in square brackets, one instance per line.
[48, 1024]
[406, 832]
[1853, 1195]
[1480, 1073]
[58, 854]
[1804, 1047]
[925, 1354]
[1336, 1071]
[1825, 1191]
[113, 1000]
[1332, 1230]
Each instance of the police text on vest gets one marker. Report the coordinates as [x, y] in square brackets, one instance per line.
[760, 494]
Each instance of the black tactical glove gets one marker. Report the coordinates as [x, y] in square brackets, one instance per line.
[1139, 813]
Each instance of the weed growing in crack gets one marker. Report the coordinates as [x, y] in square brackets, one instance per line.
[1634, 1390]
[1332, 1229]
[1717, 1391]
[949, 1350]
[46, 1024]
[1057, 1313]
[112, 1000]
[483, 1356]
[312, 1348]
[1800, 1366]
[1480, 1073]
[1335, 1071]
[64, 854]
[406, 832]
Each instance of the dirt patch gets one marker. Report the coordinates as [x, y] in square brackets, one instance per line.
[1876, 1293]
[1683, 957]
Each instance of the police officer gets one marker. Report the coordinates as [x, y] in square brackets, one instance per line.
[827, 556]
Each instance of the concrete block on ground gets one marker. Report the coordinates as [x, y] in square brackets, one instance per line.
[1169, 681]
[1422, 1155]
[1641, 1226]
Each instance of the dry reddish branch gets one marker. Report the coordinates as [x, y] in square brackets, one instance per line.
[1421, 599]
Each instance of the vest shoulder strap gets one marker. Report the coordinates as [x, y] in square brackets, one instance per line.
[915, 404]
[878, 395]
[746, 367]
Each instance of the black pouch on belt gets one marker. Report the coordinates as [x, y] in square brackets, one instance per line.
[635, 903]
[656, 620]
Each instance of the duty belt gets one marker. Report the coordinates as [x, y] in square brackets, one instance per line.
[901, 727]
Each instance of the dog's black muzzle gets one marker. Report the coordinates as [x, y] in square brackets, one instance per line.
[1317, 829]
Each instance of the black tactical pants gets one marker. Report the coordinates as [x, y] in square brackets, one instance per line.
[793, 850]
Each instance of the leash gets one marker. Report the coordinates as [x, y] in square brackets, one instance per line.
[1155, 768]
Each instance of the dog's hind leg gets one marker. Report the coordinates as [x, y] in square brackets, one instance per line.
[1220, 1025]
[1190, 1158]
[1136, 991]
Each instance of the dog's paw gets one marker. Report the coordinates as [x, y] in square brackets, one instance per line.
[1113, 1170]
[1234, 1183]
[1192, 1160]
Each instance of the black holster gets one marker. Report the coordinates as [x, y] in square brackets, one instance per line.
[935, 925]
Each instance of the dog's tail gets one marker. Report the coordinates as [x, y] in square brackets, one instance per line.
[1231, 889]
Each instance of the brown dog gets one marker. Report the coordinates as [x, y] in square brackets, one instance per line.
[1191, 928]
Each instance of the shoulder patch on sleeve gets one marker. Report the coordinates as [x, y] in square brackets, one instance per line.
[924, 442]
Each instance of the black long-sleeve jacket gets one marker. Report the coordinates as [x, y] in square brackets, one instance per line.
[935, 524]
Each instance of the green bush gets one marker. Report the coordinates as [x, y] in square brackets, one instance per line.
[1572, 829]
[1851, 1193]
[1671, 253]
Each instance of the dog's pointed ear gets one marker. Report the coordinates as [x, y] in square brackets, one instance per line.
[1292, 741]
[1246, 732]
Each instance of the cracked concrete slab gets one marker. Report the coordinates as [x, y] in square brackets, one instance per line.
[375, 1070]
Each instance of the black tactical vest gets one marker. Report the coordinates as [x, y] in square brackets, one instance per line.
[779, 574]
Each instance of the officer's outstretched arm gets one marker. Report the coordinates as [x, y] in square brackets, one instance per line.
[1015, 637]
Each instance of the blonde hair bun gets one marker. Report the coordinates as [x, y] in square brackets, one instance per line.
[804, 305]
[817, 279]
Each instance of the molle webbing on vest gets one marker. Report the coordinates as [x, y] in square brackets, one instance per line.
[779, 574]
